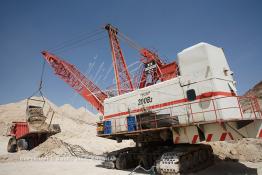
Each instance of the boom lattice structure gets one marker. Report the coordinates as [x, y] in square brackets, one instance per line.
[80, 83]
[123, 79]
[155, 69]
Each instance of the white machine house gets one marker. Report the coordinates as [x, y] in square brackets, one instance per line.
[174, 109]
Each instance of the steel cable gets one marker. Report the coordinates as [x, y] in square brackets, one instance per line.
[151, 170]
[79, 45]
[76, 39]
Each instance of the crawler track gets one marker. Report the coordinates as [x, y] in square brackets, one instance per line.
[168, 160]
[185, 160]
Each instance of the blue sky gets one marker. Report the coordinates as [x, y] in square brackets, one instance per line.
[30, 26]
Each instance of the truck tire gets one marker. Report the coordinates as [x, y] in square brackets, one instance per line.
[30, 143]
[12, 146]
[22, 144]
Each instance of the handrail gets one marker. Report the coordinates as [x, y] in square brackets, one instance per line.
[252, 109]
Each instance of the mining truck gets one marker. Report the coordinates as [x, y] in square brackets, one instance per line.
[171, 110]
[25, 135]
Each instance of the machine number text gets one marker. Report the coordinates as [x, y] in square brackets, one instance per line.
[144, 100]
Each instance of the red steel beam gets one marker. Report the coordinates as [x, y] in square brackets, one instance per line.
[74, 78]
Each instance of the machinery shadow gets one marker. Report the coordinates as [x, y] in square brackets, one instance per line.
[227, 167]
[220, 167]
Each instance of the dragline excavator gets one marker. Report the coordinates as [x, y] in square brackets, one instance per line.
[171, 111]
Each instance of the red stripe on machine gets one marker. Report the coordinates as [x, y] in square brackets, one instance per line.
[209, 137]
[230, 135]
[177, 140]
[194, 140]
[223, 136]
[201, 96]
[260, 133]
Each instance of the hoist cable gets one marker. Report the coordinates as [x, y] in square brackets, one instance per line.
[130, 42]
[39, 90]
[136, 46]
[79, 36]
[80, 44]
[75, 42]
[42, 75]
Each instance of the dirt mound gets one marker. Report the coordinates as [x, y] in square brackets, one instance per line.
[78, 127]
[81, 114]
[17, 111]
[248, 150]
[52, 147]
[255, 91]
[244, 149]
